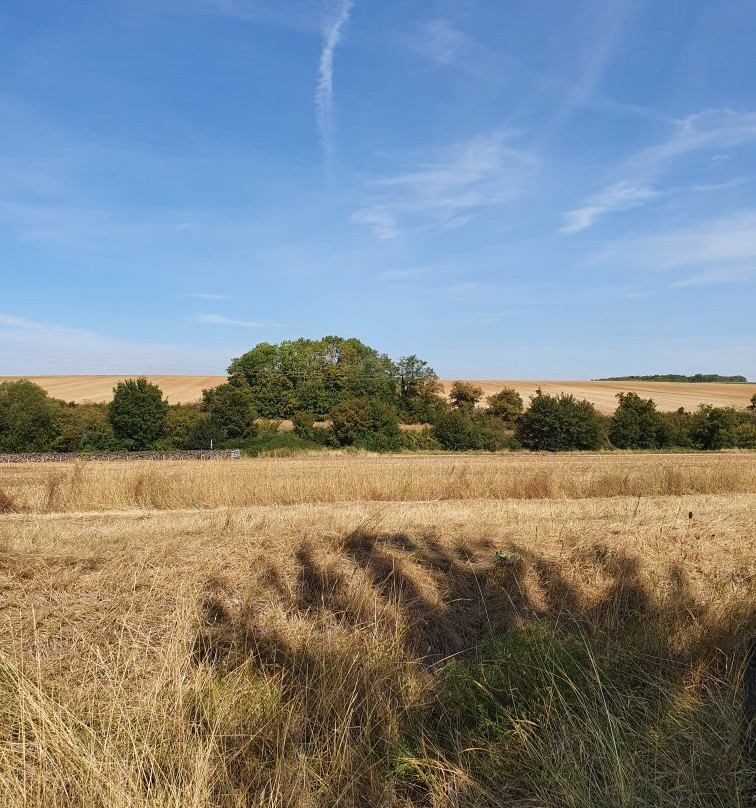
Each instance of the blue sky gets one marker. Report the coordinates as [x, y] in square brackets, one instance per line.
[510, 190]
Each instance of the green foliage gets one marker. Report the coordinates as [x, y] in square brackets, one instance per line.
[456, 431]
[367, 423]
[268, 442]
[506, 405]
[138, 413]
[419, 441]
[314, 375]
[83, 428]
[746, 434]
[560, 423]
[272, 395]
[27, 417]
[207, 433]
[715, 427]
[636, 424]
[180, 422]
[551, 716]
[464, 395]
[231, 407]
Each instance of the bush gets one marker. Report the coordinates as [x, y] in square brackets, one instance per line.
[138, 413]
[231, 408]
[456, 431]
[27, 417]
[560, 423]
[464, 395]
[285, 442]
[422, 441]
[506, 406]
[636, 424]
[715, 427]
[367, 423]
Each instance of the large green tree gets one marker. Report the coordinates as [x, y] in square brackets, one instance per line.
[231, 407]
[636, 424]
[138, 413]
[27, 417]
[314, 375]
[465, 395]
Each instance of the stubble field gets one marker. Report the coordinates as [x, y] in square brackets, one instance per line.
[395, 631]
[603, 395]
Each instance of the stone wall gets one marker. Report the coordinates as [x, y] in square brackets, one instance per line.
[61, 457]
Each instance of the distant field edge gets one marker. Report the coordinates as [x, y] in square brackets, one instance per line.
[603, 394]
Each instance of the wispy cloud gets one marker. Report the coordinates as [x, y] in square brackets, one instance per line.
[440, 41]
[727, 239]
[448, 192]
[30, 347]
[621, 196]
[219, 319]
[333, 31]
[721, 275]
[709, 130]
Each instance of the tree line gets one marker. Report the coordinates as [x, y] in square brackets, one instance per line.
[339, 393]
[696, 378]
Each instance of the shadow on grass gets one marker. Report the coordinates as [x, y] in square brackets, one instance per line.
[537, 686]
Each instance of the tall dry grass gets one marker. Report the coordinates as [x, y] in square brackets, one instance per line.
[472, 652]
[282, 481]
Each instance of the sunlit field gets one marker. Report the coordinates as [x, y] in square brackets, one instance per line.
[345, 630]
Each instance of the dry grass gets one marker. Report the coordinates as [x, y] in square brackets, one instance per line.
[668, 395]
[330, 477]
[297, 652]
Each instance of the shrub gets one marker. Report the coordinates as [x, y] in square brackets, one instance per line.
[27, 417]
[422, 441]
[715, 427]
[456, 431]
[369, 424]
[636, 424]
[231, 408]
[138, 413]
[464, 395]
[506, 405]
[560, 423]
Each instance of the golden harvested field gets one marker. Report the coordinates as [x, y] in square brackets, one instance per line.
[667, 395]
[318, 631]
[603, 395]
[87, 389]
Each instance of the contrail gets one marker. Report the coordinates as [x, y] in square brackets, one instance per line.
[333, 30]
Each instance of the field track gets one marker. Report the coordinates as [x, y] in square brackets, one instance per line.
[667, 395]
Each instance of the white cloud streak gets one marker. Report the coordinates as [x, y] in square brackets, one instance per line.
[333, 31]
[30, 347]
[447, 193]
[725, 275]
[709, 130]
[621, 196]
[727, 239]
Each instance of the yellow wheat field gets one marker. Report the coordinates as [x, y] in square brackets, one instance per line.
[266, 632]
[667, 395]
[328, 477]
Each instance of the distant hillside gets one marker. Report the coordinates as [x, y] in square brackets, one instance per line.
[676, 377]
[603, 394]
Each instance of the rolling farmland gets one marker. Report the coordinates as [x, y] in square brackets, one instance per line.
[667, 395]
